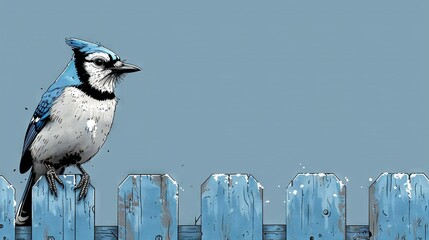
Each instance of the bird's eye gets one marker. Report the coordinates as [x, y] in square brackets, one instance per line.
[99, 61]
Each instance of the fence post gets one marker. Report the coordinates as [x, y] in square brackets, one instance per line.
[62, 217]
[231, 207]
[316, 207]
[7, 210]
[399, 207]
[148, 208]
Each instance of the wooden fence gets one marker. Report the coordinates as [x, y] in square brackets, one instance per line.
[231, 209]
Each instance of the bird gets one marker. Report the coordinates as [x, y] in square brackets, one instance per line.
[72, 120]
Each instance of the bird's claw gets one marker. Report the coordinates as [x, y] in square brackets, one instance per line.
[52, 176]
[83, 185]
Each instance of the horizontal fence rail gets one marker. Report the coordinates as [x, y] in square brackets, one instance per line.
[231, 209]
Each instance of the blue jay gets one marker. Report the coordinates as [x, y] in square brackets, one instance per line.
[72, 120]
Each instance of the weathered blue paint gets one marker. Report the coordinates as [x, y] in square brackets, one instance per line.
[23, 232]
[274, 232]
[393, 216]
[231, 207]
[358, 232]
[316, 207]
[190, 232]
[62, 217]
[148, 208]
[106, 233]
[7, 210]
[399, 207]
[193, 232]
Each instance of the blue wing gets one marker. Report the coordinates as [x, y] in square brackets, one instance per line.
[43, 111]
[40, 118]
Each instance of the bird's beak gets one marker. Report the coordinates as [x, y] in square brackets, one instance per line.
[121, 67]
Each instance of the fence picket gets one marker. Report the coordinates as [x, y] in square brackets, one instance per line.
[7, 210]
[316, 207]
[62, 217]
[231, 207]
[399, 207]
[148, 208]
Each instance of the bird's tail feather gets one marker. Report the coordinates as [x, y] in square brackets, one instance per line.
[23, 215]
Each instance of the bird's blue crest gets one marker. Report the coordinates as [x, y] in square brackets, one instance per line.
[89, 47]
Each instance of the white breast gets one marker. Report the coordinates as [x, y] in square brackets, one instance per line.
[78, 128]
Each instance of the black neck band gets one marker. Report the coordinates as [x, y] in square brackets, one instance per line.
[95, 93]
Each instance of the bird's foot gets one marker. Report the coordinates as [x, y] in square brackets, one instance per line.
[83, 185]
[52, 176]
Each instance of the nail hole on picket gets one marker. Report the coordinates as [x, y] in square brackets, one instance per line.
[325, 212]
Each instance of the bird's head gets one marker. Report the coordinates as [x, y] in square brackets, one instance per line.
[98, 66]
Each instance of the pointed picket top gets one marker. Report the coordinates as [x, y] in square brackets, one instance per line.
[7, 210]
[62, 217]
[148, 207]
[231, 207]
[399, 206]
[316, 207]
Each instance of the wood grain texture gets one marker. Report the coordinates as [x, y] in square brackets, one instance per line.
[62, 217]
[231, 207]
[148, 208]
[399, 207]
[316, 207]
[7, 210]
[193, 232]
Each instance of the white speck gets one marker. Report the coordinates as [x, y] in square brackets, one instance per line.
[35, 119]
[91, 126]
[370, 179]
[395, 187]
[247, 178]
[301, 186]
[408, 187]
[361, 186]
[295, 192]
[278, 186]
[303, 167]
[216, 176]
[399, 175]
[236, 182]
[268, 201]
[347, 179]
[335, 195]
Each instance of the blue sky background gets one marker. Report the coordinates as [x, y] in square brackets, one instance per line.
[271, 88]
